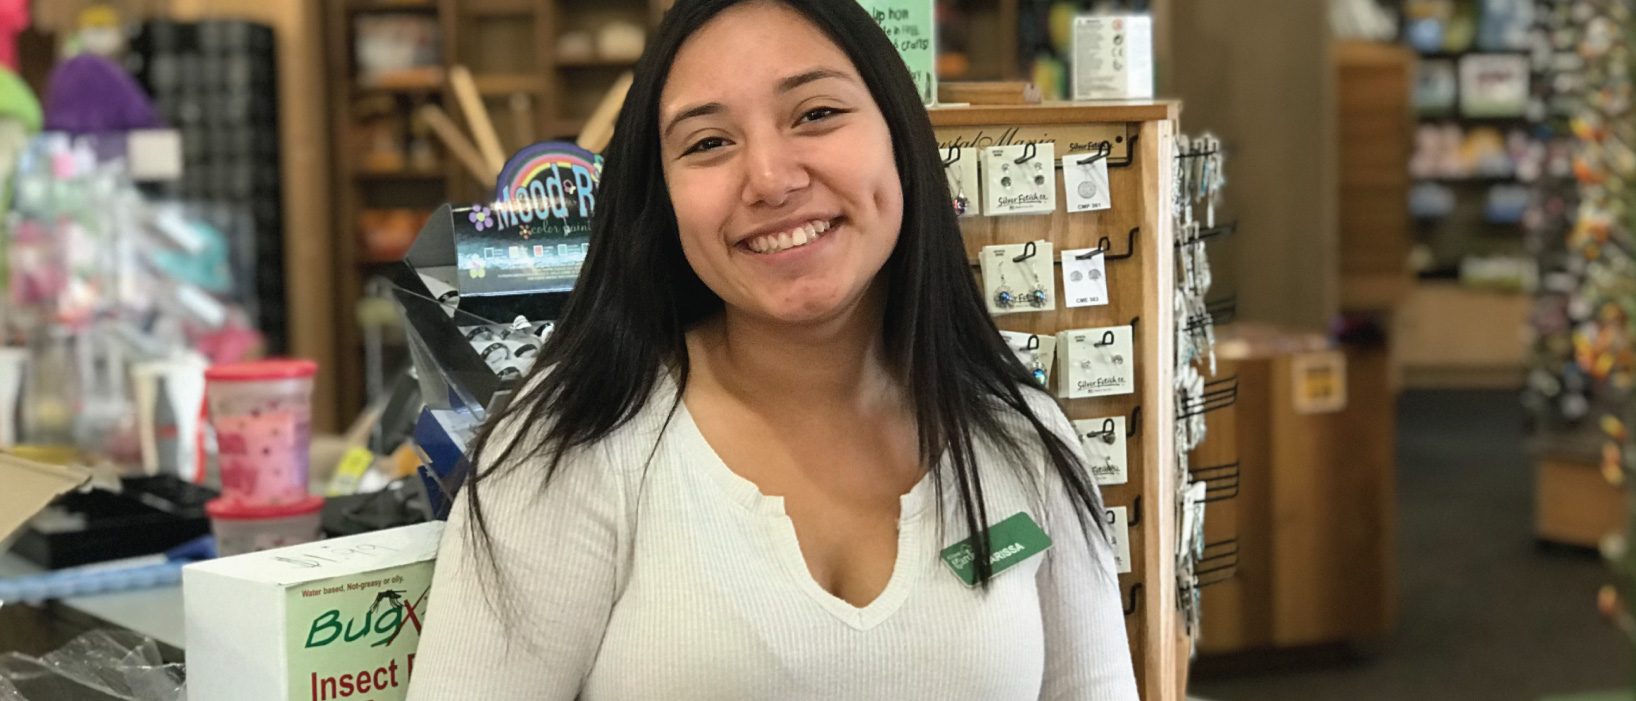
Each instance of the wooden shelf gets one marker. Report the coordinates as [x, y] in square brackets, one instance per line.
[504, 84]
[595, 63]
[391, 5]
[493, 8]
[399, 175]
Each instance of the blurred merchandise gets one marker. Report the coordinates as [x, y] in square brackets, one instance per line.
[1507, 203]
[1499, 273]
[216, 83]
[1505, 25]
[90, 94]
[1361, 19]
[1494, 85]
[387, 233]
[576, 46]
[1436, 88]
[397, 48]
[620, 42]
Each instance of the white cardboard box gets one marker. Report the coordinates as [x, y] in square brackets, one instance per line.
[327, 620]
[1113, 57]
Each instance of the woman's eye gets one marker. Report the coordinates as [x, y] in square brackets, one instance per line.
[708, 144]
[819, 113]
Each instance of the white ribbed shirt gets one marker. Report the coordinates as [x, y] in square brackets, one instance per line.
[676, 579]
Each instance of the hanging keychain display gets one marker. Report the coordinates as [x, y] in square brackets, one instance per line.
[1018, 277]
[1104, 441]
[1096, 362]
[1035, 352]
[1020, 179]
[961, 171]
[1085, 180]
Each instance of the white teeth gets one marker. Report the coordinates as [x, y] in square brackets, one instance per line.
[799, 236]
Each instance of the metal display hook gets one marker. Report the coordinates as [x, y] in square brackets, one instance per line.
[1029, 251]
[1030, 150]
[1135, 596]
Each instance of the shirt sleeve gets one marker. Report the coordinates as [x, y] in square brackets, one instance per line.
[531, 629]
[1087, 654]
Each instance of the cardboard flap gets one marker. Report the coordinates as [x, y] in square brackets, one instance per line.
[30, 486]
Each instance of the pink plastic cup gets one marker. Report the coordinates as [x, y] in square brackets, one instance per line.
[262, 412]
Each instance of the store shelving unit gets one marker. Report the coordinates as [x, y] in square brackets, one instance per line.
[1141, 287]
[510, 48]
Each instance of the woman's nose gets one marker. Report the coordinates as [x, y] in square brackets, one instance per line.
[773, 170]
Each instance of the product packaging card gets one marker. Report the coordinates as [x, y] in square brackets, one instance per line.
[1096, 362]
[1035, 352]
[1020, 179]
[1084, 278]
[327, 620]
[1019, 277]
[1113, 57]
[1104, 443]
[1085, 181]
[1120, 528]
[960, 168]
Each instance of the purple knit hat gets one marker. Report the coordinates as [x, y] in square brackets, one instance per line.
[90, 94]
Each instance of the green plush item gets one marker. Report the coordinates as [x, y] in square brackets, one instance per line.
[18, 101]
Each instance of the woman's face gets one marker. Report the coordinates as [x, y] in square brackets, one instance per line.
[779, 164]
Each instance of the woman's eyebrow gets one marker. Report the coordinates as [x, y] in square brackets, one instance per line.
[784, 86]
[703, 110]
[796, 81]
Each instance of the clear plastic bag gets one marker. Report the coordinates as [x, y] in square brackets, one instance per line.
[97, 666]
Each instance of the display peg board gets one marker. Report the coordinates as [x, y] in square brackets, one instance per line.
[1140, 262]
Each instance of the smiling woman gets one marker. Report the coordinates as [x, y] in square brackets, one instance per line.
[776, 448]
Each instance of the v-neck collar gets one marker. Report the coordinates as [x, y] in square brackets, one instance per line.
[906, 569]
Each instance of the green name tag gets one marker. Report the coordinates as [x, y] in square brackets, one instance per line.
[1010, 542]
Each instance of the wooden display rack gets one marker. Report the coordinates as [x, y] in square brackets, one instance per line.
[1140, 243]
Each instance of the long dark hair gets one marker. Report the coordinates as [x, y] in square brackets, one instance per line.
[625, 321]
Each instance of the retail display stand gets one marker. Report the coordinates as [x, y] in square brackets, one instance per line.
[1138, 243]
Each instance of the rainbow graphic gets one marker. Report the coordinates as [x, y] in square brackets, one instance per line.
[558, 169]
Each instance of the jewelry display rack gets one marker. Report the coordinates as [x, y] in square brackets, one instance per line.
[1137, 239]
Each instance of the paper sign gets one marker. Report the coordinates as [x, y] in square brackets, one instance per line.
[1105, 449]
[910, 25]
[1085, 180]
[1319, 381]
[1120, 528]
[1084, 278]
